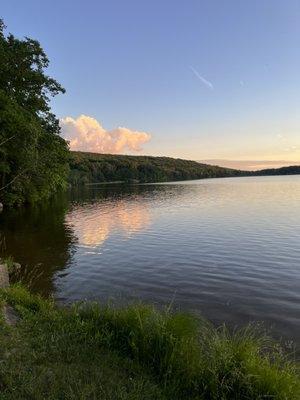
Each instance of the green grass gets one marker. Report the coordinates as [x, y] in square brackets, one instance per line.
[94, 352]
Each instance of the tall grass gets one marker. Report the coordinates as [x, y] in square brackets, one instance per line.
[186, 357]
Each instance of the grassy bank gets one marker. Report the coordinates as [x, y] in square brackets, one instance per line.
[94, 352]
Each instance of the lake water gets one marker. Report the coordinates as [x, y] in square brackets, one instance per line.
[226, 248]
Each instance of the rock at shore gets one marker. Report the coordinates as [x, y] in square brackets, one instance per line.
[4, 277]
[10, 315]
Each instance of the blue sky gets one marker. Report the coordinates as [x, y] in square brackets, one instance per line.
[206, 79]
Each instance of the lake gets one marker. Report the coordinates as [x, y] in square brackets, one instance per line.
[228, 249]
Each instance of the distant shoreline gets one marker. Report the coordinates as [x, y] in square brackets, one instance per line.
[91, 169]
[251, 165]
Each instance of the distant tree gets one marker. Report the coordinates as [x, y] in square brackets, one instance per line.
[33, 157]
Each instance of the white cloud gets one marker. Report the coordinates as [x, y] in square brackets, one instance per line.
[291, 149]
[202, 79]
[86, 134]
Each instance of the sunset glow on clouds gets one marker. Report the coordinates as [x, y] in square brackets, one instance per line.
[87, 134]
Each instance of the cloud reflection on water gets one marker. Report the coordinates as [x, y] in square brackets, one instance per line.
[93, 224]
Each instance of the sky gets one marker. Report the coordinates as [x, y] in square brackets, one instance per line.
[203, 80]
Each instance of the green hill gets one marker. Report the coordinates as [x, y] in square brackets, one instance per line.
[96, 168]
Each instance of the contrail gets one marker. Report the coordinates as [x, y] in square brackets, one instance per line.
[203, 80]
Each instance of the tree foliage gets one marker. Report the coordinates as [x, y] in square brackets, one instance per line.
[33, 157]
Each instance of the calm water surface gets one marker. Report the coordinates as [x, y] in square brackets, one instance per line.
[226, 248]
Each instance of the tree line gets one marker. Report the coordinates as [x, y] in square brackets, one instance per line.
[88, 168]
[292, 170]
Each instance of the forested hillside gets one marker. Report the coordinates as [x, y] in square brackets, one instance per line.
[95, 168]
[86, 168]
[293, 170]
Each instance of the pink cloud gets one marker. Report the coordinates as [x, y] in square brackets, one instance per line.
[86, 134]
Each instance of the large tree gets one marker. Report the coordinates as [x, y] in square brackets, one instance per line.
[33, 156]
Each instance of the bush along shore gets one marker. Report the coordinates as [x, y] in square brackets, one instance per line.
[89, 351]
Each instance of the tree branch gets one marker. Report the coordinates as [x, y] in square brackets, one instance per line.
[6, 140]
[9, 183]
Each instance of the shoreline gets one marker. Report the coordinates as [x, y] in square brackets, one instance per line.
[159, 354]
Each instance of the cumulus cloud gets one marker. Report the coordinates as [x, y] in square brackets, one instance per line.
[87, 134]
